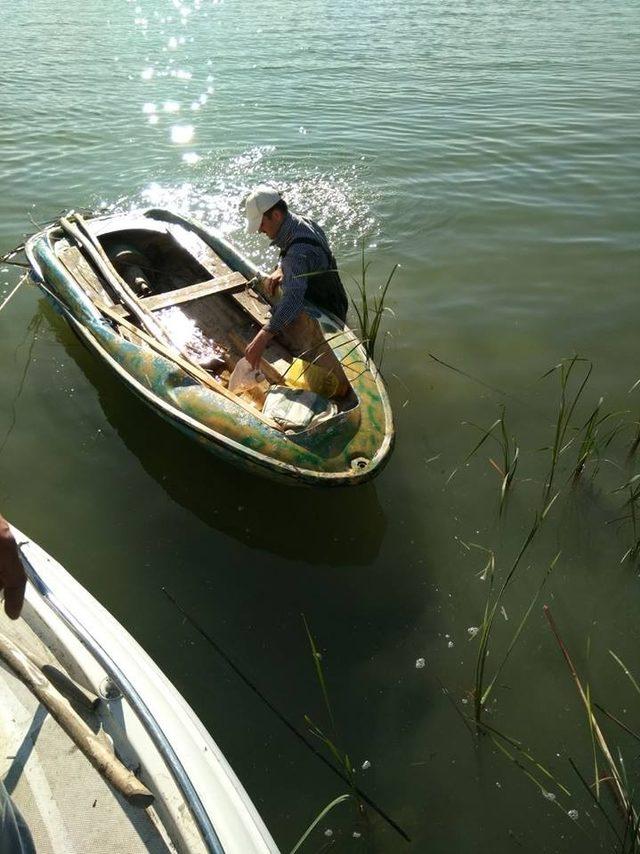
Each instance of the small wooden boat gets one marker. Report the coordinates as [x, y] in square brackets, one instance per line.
[99, 750]
[171, 306]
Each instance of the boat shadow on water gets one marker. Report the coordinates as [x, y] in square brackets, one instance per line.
[343, 526]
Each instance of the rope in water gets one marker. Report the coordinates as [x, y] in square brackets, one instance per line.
[13, 291]
[282, 718]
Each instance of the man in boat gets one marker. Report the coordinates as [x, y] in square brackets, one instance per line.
[15, 837]
[306, 270]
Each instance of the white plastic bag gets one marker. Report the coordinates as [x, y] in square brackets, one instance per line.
[295, 409]
[244, 377]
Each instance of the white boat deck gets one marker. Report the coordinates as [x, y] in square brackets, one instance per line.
[65, 802]
[197, 804]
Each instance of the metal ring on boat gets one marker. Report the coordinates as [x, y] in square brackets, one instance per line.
[359, 463]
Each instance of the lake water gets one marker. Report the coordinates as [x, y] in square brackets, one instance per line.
[492, 150]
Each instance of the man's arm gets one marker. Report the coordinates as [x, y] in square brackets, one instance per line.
[255, 349]
[293, 289]
[12, 574]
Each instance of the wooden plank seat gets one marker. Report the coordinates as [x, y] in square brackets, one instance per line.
[220, 284]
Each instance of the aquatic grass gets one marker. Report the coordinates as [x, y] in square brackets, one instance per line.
[632, 502]
[626, 671]
[566, 407]
[595, 800]
[317, 660]
[519, 630]
[481, 693]
[369, 305]
[340, 757]
[290, 726]
[635, 443]
[508, 446]
[526, 754]
[322, 814]
[467, 375]
[594, 752]
[617, 775]
[544, 791]
[593, 443]
[615, 779]
[617, 721]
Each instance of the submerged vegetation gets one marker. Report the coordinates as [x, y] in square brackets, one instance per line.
[341, 763]
[586, 439]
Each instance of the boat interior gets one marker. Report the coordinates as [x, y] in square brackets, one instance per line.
[207, 311]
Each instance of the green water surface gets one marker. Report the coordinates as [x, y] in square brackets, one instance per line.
[492, 150]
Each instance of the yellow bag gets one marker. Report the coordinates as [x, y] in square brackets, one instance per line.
[311, 377]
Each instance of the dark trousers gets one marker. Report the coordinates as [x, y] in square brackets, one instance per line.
[15, 837]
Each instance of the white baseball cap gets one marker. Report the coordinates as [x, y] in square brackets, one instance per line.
[260, 200]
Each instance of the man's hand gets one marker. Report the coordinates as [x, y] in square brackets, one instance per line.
[270, 283]
[255, 349]
[12, 574]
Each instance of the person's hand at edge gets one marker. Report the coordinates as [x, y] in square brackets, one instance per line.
[12, 575]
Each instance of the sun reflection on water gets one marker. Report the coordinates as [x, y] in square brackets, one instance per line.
[219, 181]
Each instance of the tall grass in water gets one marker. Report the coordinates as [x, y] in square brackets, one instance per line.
[347, 771]
[633, 505]
[369, 306]
[340, 757]
[566, 407]
[482, 690]
[635, 444]
[597, 434]
[510, 452]
[629, 839]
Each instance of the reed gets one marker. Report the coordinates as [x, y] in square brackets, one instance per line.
[482, 690]
[566, 407]
[324, 812]
[370, 305]
[632, 502]
[500, 739]
[508, 446]
[635, 443]
[340, 757]
[596, 439]
[616, 772]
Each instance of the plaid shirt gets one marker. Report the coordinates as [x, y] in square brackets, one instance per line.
[299, 261]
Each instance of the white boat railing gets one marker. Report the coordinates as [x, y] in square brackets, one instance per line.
[137, 704]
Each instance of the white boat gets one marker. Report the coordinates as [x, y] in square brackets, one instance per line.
[188, 797]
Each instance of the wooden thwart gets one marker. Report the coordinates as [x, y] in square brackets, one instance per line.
[220, 285]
